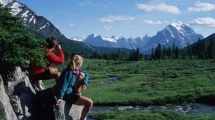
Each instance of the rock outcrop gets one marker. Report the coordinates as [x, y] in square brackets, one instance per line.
[21, 100]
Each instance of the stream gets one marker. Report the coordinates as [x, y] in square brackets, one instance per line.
[194, 109]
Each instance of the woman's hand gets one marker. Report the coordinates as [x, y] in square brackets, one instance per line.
[83, 87]
[58, 101]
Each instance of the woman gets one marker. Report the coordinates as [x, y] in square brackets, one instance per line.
[69, 83]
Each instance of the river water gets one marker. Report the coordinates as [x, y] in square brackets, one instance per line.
[194, 109]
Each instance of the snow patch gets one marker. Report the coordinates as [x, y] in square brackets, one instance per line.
[110, 39]
[16, 8]
[35, 21]
[170, 32]
[177, 25]
[95, 35]
[25, 14]
[42, 27]
[32, 17]
[5, 2]
[77, 38]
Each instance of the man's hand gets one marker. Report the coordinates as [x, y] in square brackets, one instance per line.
[57, 46]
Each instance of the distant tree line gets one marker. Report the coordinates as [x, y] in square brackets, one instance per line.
[120, 55]
[198, 50]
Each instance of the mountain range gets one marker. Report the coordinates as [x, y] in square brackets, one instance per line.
[175, 33]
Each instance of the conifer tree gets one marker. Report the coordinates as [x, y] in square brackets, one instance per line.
[17, 45]
[158, 51]
[211, 48]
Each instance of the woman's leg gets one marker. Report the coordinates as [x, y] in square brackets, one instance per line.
[88, 103]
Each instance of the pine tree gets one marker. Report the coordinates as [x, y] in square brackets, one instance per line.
[152, 53]
[176, 52]
[138, 54]
[211, 49]
[17, 45]
[158, 51]
[164, 52]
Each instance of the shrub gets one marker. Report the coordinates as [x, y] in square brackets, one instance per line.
[16, 44]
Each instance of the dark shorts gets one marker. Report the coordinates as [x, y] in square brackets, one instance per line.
[43, 76]
[71, 98]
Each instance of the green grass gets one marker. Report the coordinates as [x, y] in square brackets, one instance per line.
[163, 82]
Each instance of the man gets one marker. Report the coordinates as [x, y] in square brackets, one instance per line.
[38, 73]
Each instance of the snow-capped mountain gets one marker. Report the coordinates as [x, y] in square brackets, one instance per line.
[176, 33]
[77, 38]
[31, 20]
[115, 42]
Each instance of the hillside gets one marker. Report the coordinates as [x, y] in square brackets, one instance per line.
[207, 39]
[42, 28]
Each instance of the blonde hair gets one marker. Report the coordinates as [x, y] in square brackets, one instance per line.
[76, 61]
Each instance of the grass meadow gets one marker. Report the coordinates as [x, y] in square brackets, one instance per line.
[160, 82]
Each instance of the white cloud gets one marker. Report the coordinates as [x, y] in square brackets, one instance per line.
[159, 8]
[71, 24]
[89, 3]
[85, 3]
[120, 18]
[209, 22]
[106, 20]
[152, 22]
[201, 7]
[116, 18]
[81, 3]
[108, 27]
[113, 5]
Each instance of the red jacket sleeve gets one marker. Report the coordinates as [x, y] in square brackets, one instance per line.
[55, 59]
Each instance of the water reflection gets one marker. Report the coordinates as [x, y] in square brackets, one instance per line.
[109, 80]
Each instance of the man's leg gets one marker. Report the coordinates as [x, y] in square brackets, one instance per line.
[54, 73]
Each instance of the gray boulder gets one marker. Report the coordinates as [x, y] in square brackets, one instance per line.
[20, 99]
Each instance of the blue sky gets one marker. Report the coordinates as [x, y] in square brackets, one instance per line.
[128, 18]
